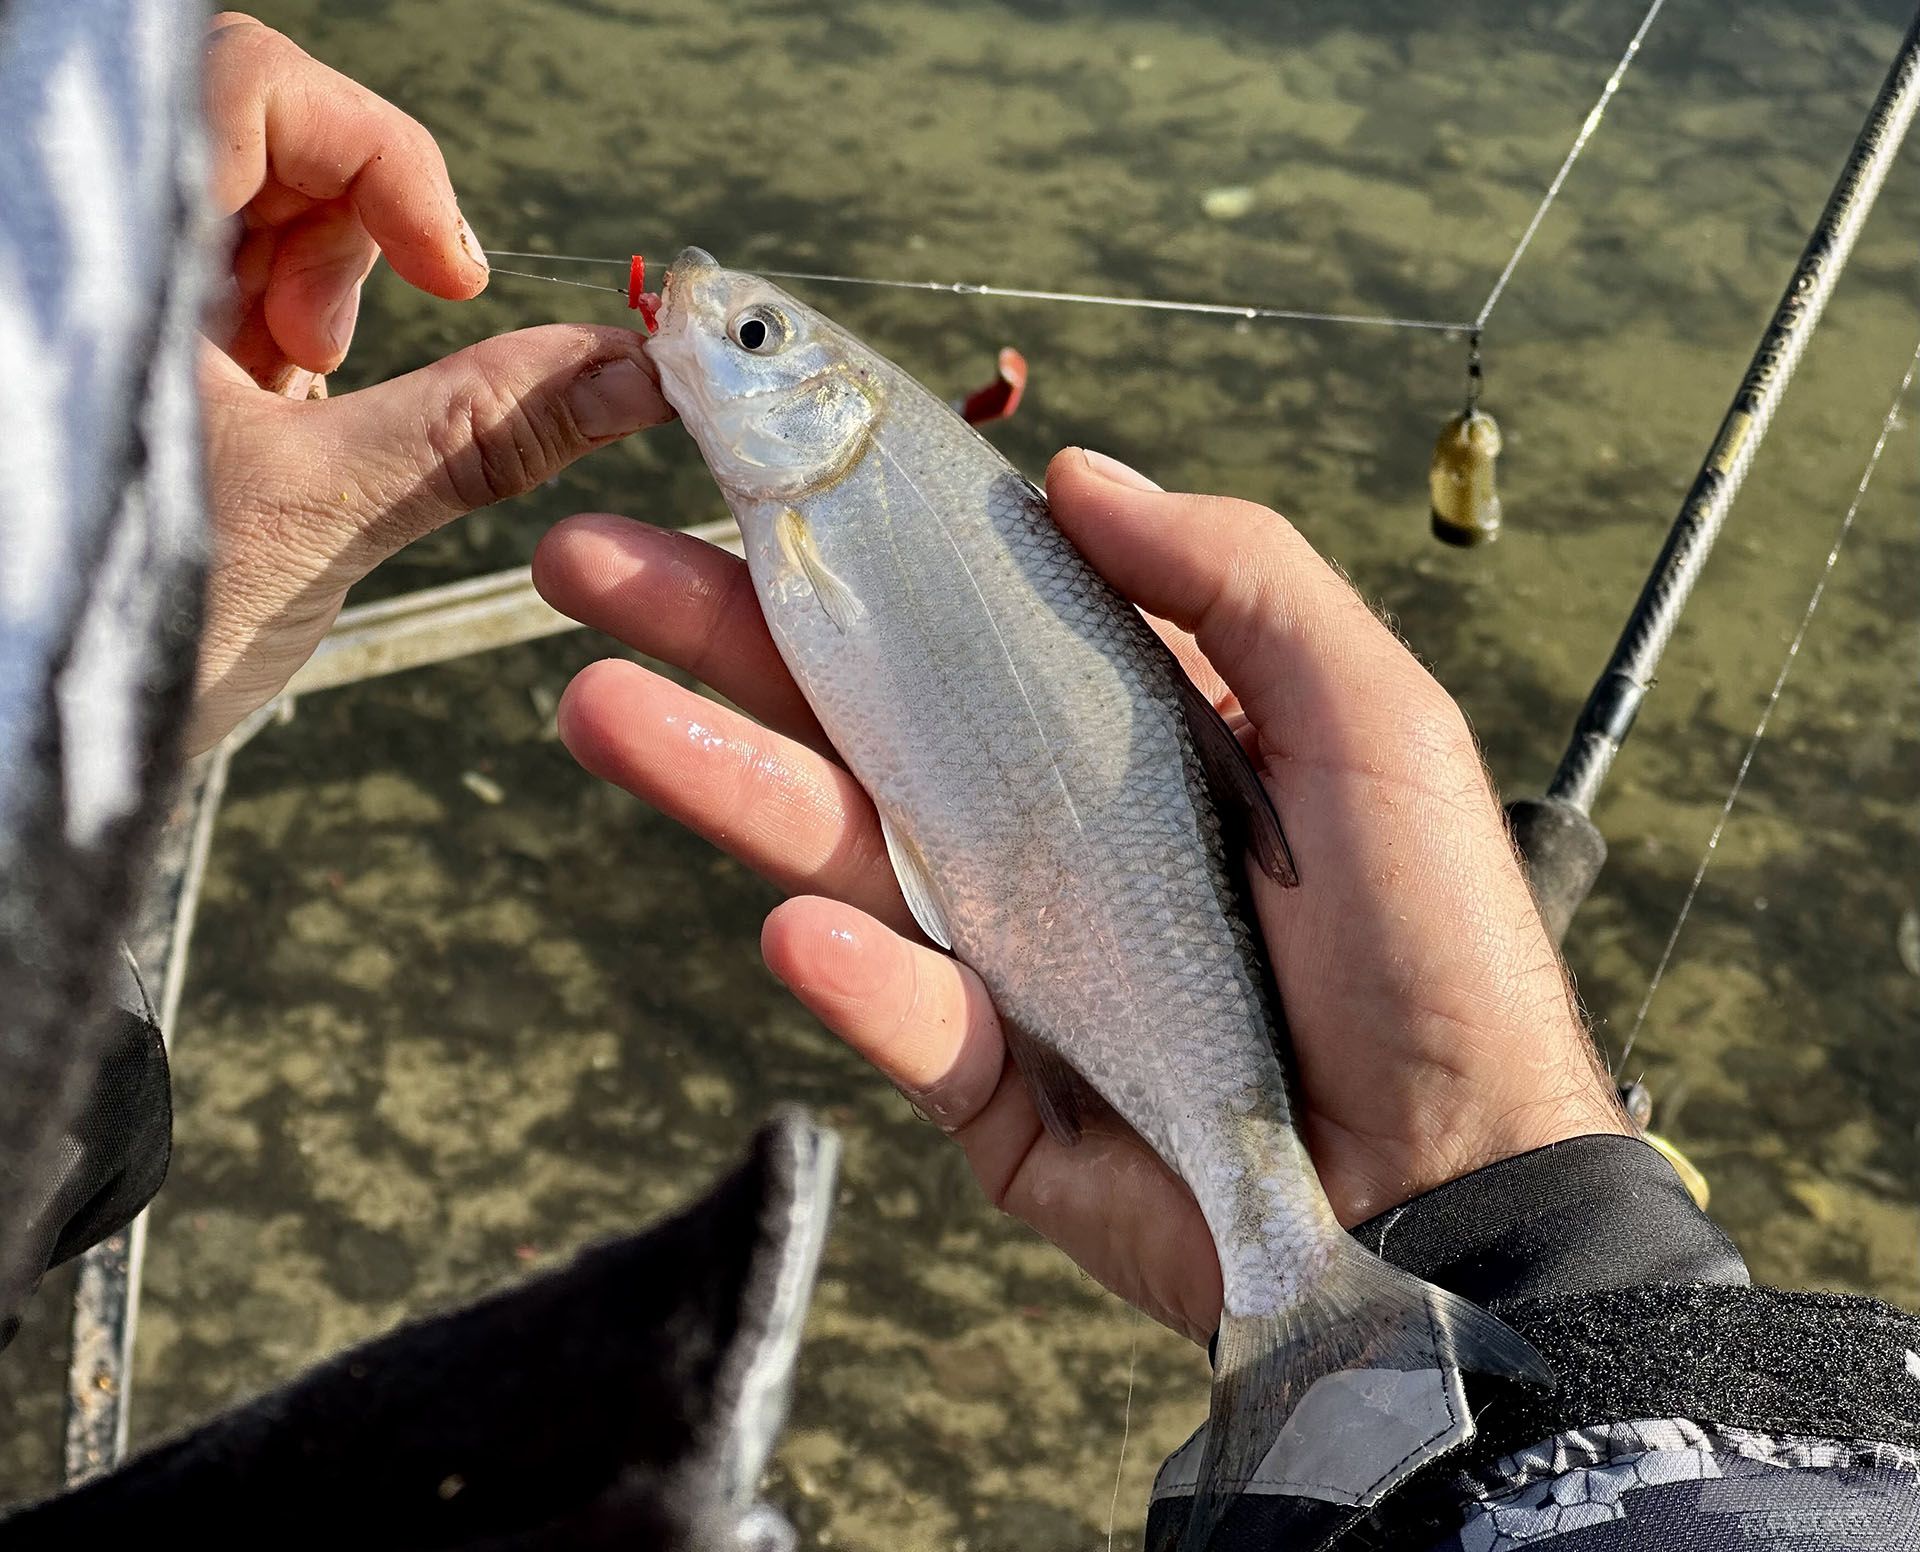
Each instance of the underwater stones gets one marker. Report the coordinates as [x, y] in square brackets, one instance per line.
[1229, 202]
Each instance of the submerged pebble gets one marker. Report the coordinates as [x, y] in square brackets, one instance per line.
[1907, 938]
[1227, 203]
[485, 788]
[1816, 1198]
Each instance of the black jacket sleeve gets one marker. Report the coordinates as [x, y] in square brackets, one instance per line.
[110, 1161]
[1690, 1409]
[627, 1400]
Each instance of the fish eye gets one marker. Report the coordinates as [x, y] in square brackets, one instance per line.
[759, 330]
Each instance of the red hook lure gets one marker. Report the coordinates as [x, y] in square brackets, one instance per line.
[646, 302]
[996, 401]
[1001, 397]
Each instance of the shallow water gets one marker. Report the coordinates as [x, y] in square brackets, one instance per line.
[430, 1041]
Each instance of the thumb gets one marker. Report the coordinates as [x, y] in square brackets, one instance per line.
[487, 423]
[1314, 668]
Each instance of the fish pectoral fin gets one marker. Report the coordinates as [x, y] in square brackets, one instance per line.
[1238, 792]
[916, 883]
[836, 598]
[1064, 1099]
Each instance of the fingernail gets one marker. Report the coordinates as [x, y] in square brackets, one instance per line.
[1113, 469]
[470, 245]
[612, 400]
[338, 328]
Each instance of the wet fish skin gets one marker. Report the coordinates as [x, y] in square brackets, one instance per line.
[1020, 725]
[1061, 811]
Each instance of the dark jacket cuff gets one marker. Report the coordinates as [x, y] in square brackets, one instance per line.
[1573, 1217]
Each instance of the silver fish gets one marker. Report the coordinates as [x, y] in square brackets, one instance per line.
[1066, 813]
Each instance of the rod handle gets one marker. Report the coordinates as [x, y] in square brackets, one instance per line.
[1564, 852]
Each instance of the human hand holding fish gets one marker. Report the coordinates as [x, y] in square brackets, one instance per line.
[1146, 974]
[318, 178]
[1431, 1018]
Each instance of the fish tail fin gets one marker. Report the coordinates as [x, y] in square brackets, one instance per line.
[1358, 1313]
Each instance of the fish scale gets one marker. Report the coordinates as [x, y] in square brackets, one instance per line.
[1068, 814]
[1037, 785]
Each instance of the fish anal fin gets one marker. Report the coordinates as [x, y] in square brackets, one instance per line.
[1238, 792]
[1064, 1099]
[837, 600]
[916, 882]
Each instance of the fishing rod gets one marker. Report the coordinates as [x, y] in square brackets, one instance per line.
[1563, 848]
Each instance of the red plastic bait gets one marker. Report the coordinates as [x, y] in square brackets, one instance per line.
[646, 302]
[1001, 397]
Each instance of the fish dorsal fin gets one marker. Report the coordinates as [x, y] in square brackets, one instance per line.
[1237, 791]
[1064, 1099]
[836, 598]
[910, 868]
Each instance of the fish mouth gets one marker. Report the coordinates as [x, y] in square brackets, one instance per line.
[678, 285]
[686, 293]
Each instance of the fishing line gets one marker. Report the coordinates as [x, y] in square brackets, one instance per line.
[1247, 311]
[1126, 1429]
[1244, 310]
[1587, 128]
[551, 258]
[1580, 140]
[584, 285]
[1766, 713]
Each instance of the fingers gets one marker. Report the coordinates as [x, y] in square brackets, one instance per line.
[291, 132]
[490, 422]
[692, 604]
[1117, 1211]
[306, 498]
[1414, 925]
[921, 1017]
[237, 319]
[1205, 677]
[1321, 677]
[676, 598]
[926, 1021]
[791, 815]
[313, 295]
